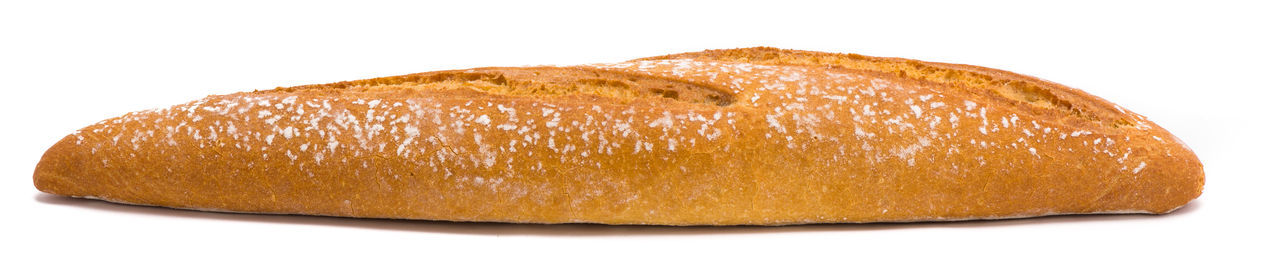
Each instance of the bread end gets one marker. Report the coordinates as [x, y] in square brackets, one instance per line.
[54, 174]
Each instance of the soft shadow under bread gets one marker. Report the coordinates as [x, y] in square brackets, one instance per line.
[569, 230]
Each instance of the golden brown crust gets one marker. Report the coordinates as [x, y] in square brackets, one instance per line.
[721, 137]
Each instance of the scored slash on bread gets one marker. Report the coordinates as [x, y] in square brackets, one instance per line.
[758, 136]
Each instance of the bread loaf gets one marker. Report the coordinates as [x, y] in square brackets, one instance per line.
[756, 136]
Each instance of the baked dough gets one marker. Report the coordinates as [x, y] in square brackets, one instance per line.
[756, 136]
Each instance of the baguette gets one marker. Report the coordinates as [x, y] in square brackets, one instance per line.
[755, 136]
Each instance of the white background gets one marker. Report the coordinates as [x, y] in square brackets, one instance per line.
[1204, 70]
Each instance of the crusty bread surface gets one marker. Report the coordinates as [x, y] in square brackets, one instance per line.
[755, 136]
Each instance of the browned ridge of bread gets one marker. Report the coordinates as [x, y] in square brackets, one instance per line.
[757, 136]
